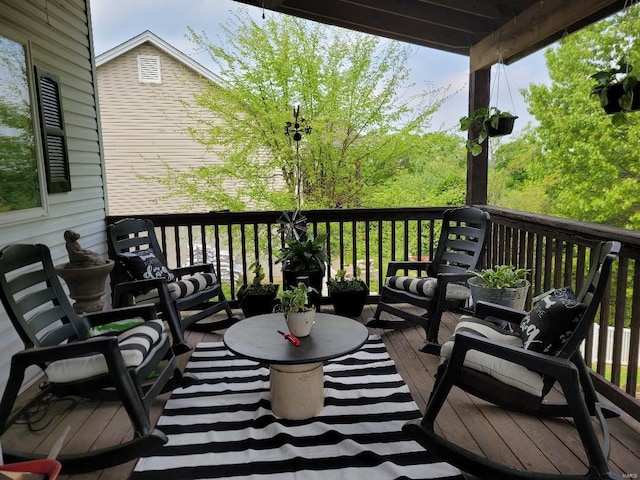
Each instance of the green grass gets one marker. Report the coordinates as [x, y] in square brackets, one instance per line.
[623, 375]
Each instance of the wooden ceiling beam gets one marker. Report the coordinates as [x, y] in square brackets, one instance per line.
[406, 27]
[537, 27]
[483, 8]
[429, 14]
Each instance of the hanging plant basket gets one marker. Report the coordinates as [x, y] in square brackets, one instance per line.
[489, 121]
[505, 126]
[614, 94]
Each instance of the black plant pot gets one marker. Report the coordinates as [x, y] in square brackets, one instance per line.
[291, 278]
[349, 303]
[505, 127]
[253, 304]
[614, 93]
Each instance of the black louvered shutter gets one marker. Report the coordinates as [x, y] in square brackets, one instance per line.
[54, 139]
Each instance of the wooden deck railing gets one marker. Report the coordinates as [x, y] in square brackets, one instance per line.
[556, 250]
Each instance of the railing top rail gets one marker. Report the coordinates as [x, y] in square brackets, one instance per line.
[573, 231]
[224, 217]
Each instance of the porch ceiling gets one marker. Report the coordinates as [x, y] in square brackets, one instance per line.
[480, 29]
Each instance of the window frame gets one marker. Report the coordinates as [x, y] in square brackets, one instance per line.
[20, 216]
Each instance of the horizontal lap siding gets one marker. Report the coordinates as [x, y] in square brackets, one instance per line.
[144, 124]
[58, 33]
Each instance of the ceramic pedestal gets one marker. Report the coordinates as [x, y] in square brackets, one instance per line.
[297, 391]
[86, 285]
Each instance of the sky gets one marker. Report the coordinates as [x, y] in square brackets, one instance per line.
[116, 21]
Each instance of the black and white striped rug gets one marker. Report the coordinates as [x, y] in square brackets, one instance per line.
[224, 429]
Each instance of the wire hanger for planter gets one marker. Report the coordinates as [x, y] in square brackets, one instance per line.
[501, 122]
[617, 88]
[491, 121]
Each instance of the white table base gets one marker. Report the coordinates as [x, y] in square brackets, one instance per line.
[297, 391]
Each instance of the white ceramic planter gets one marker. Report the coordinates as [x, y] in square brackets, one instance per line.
[300, 323]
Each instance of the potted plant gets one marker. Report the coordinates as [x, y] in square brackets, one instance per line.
[348, 295]
[618, 91]
[491, 122]
[257, 298]
[503, 284]
[304, 257]
[298, 313]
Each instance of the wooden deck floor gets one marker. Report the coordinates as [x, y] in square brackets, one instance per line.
[514, 439]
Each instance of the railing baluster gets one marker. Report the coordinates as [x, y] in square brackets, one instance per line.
[367, 253]
[405, 240]
[270, 252]
[381, 266]
[621, 293]
[634, 334]
[354, 246]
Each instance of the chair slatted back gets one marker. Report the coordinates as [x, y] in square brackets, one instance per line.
[591, 293]
[34, 298]
[130, 235]
[461, 242]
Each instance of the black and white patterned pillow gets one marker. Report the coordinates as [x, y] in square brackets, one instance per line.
[551, 321]
[143, 264]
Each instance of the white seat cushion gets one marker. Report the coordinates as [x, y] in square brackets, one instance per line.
[426, 286]
[507, 372]
[180, 288]
[134, 345]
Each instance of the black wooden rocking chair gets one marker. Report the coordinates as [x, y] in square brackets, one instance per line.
[439, 284]
[141, 275]
[107, 365]
[517, 370]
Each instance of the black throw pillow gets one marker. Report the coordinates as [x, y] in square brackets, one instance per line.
[551, 321]
[144, 264]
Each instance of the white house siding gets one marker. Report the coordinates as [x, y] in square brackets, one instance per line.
[59, 34]
[144, 124]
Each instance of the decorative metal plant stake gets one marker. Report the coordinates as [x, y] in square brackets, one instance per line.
[295, 130]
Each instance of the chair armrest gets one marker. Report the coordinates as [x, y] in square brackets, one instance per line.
[417, 265]
[191, 269]
[452, 277]
[123, 291]
[136, 286]
[501, 312]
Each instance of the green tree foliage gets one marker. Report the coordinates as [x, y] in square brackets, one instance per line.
[433, 172]
[352, 90]
[594, 165]
[517, 178]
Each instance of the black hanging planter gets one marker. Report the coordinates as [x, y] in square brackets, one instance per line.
[505, 126]
[614, 93]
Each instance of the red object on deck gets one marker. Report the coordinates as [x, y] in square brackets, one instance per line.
[50, 468]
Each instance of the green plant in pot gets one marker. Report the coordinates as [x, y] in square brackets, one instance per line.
[301, 258]
[503, 284]
[618, 91]
[257, 298]
[348, 295]
[298, 313]
[491, 122]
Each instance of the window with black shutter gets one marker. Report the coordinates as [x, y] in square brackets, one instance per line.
[54, 140]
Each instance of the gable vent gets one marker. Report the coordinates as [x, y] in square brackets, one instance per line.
[149, 69]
